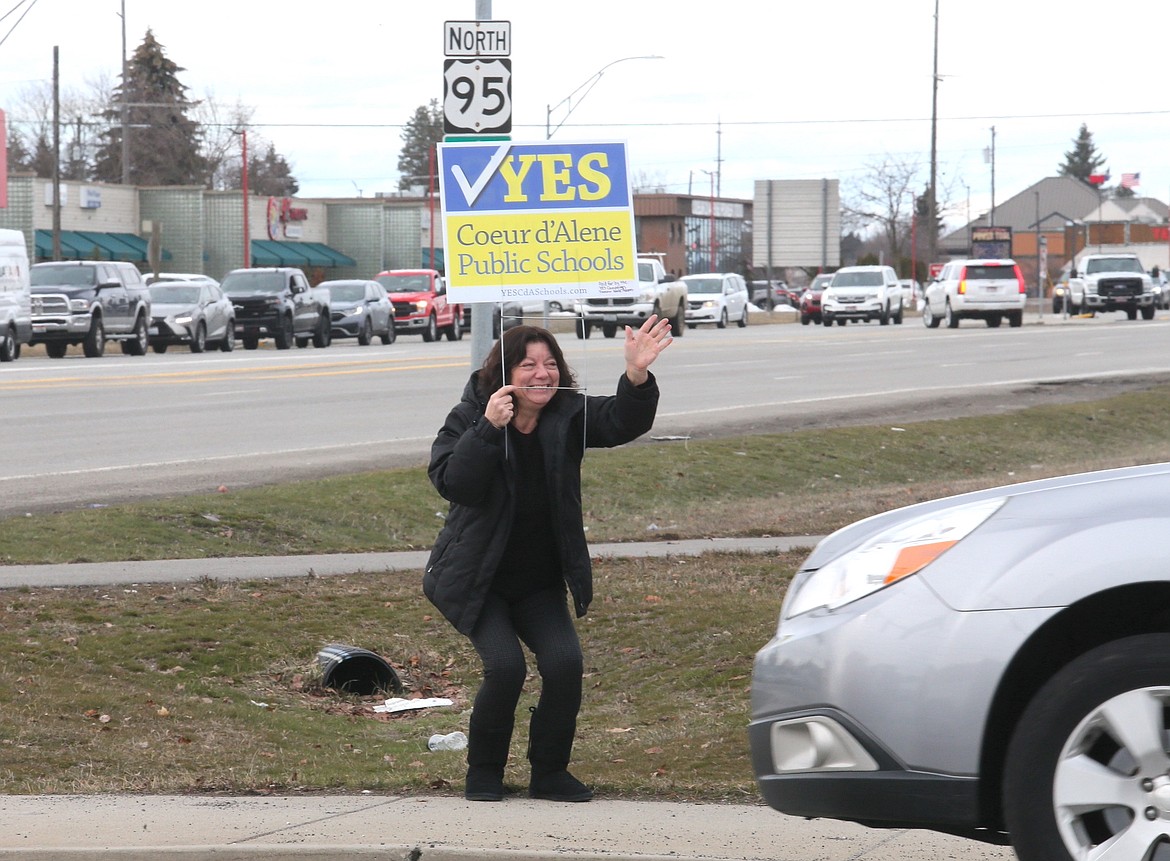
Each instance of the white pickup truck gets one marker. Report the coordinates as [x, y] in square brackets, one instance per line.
[1111, 282]
[658, 293]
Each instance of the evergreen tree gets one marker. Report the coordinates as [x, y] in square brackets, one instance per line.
[271, 176]
[19, 158]
[1083, 160]
[164, 143]
[419, 135]
[923, 214]
[42, 157]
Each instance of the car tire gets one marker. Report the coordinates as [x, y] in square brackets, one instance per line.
[301, 342]
[1147, 312]
[993, 321]
[94, 345]
[229, 338]
[431, 332]
[139, 338]
[199, 340]
[1071, 783]
[899, 315]
[391, 335]
[678, 323]
[929, 320]
[722, 324]
[804, 319]
[8, 345]
[743, 320]
[365, 333]
[826, 320]
[56, 349]
[841, 321]
[609, 330]
[584, 328]
[1015, 319]
[951, 318]
[251, 342]
[884, 316]
[455, 331]
[284, 335]
[323, 333]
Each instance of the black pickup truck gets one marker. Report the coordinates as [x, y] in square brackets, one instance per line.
[278, 303]
[89, 302]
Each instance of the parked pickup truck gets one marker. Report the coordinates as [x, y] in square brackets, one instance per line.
[420, 304]
[89, 302]
[278, 303]
[658, 293]
[1111, 282]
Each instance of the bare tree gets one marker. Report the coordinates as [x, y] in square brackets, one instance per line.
[883, 198]
[31, 125]
[222, 146]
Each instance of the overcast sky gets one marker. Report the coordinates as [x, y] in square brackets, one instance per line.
[748, 89]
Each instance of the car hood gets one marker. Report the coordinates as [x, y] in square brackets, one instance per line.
[1042, 492]
[67, 289]
[346, 305]
[169, 309]
[410, 297]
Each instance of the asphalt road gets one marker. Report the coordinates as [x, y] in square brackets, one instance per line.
[80, 432]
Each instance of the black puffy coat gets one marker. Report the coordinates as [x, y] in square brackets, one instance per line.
[469, 469]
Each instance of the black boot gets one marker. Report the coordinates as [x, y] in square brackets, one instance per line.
[487, 754]
[549, 748]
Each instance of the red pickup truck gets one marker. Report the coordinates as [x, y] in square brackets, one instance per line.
[420, 304]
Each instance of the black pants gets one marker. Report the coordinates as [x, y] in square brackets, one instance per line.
[542, 622]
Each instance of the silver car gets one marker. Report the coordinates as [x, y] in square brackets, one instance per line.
[191, 313]
[995, 665]
[360, 309]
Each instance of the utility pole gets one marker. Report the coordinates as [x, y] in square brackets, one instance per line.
[56, 156]
[932, 208]
[125, 106]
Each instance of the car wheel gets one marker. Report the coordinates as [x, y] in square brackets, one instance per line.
[898, 316]
[229, 338]
[160, 347]
[1148, 312]
[584, 328]
[323, 333]
[928, 319]
[455, 331]
[678, 323]
[951, 318]
[722, 324]
[884, 316]
[1087, 764]
[139, 340]
[743, 320]
[1057, 305]
[826, 320]
[365, 333]
[56, 349]
[301, 343]
[199, 341]
[284, 335]
[841, 321]
[95, 340]
[431, 332]
[8, 345]
[251, 342]
[609, 330]
[1015, 319]
[993, 321]
[804, 319]
[391, 335]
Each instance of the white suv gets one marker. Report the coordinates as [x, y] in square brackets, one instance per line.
[716, 298]
[862, 293]
[979, 289]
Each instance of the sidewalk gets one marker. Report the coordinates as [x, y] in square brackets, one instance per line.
[331, 828]
[414, 828]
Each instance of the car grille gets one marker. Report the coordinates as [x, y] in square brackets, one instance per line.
[251, 309]
[847, 299]
[1119, 287]
[403, 309]
[337, 316]
[49, 304]
[164, 330]
[619, 302]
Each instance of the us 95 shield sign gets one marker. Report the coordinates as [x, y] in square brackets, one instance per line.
[529, 220]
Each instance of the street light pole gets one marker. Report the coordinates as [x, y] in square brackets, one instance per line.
[549, 129]
[243, 133]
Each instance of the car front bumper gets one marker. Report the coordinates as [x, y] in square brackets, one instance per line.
[56, 328]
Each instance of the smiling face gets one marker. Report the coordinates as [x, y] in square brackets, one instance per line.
[536, 377]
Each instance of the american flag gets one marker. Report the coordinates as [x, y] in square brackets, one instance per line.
[1130, 180]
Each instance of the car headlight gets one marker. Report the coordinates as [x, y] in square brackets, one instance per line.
[420, 306]
[887, 557]
[710, 303]
[80, 304]
[184, 319]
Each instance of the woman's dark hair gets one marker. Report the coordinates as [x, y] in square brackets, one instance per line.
[515, 349]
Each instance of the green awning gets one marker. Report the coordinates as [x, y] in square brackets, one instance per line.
[266, 252]
[94, 245]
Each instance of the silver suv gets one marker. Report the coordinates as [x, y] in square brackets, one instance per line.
[862, 293]
[995, 665]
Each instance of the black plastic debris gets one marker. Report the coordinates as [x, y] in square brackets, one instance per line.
[356, 671]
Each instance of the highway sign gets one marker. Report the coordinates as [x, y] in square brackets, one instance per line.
[477, 38]
[477, 96]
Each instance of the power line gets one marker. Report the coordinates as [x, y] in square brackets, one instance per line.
[18, 20]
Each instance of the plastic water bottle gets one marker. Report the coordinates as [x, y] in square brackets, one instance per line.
[450, 741]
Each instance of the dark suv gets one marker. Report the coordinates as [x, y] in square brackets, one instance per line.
[89, 302]
[278, 303]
